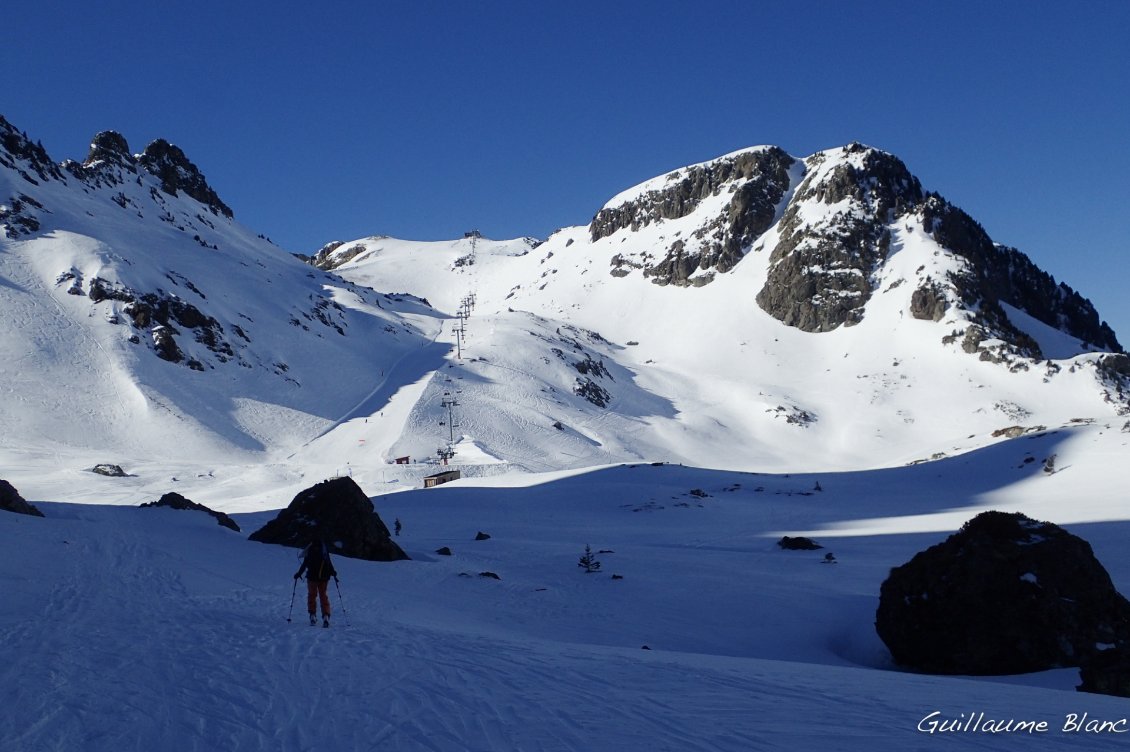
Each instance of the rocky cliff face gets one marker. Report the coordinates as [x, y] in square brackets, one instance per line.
[993, 275]
[834, 236]
[176, 173]
[755, 180]
[30, 160]
[108, 166]
[19, 212]
[826, 225]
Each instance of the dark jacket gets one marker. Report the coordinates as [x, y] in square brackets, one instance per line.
[316, 563]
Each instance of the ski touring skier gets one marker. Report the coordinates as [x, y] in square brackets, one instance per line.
[319, 569]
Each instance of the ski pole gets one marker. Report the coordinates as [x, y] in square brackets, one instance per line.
[292, 591]
[340, 601]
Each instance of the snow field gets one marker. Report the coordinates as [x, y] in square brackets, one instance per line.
[129, 628]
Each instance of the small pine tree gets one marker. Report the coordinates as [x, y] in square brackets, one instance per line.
[588, 562]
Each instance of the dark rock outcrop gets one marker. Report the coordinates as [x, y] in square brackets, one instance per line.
[996, 274]
[29, 160]
[1107, 672]
[177, 174]
[19, 213]
[108, 163]
[1006, 594]
[19, 217]
[758, 180]
[109, 470]
[176, 501]
[11, 501]
[338, 512]
[821, 272]
[328, 259]
[798, 544]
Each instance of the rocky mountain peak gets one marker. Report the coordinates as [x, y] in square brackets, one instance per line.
[108, 163]
[29, 159]
[863, 174]
[168, 163]
[834, 235]
[109, 147]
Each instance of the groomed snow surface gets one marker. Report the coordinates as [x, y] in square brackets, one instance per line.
[144, 629]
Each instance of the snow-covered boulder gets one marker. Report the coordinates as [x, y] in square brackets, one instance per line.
[1006, 594]
[11, 501]
[338, 512]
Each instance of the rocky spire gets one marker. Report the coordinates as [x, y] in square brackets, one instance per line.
[29, 159]
[170, 166]
[109, 147]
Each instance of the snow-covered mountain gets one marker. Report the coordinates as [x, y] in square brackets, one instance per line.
[757, 311]
[141, 319]
[784, 319]
[762, 311]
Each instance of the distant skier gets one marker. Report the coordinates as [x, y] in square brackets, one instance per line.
[319, 569]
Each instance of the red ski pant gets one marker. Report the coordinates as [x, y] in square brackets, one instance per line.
[318, 590]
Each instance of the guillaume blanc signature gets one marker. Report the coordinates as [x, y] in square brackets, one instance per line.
[980, 723]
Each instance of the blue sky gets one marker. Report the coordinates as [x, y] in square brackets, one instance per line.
[421, 120]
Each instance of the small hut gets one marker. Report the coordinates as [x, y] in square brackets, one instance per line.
[440, 478]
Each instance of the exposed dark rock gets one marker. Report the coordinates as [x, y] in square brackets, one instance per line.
[18, 217]
[1005, 594]
[1114, 372]
[481, 536]
[445, 551]
[327, 260]
[11, 501]
[165, 344]
[929, 302]
[162, 313]
[109, 146]
[101, 290]
[758, 180]
[592, 391]
[798, 544]
[110, 471]
[489, 575]
[1107, 672]
[176, 173]
[338, 512]
[820, 274]
[592, 367]
[17, 152]
[176, 501]
[997, 274]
